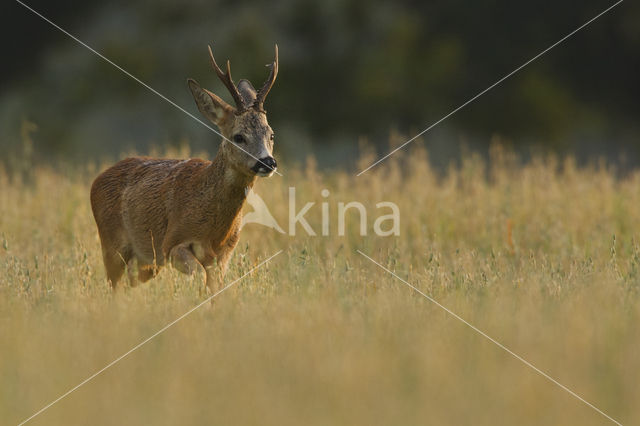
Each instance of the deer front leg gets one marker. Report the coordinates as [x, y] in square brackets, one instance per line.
[217, 271]
[183, 259]
[214, 278]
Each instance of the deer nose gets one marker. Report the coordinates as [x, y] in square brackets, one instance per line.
[265, 165]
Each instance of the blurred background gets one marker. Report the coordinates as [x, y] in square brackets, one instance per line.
[351, 71]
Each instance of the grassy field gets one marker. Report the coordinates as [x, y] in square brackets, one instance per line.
[543, 257]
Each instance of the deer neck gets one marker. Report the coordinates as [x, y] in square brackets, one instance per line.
[228, 186]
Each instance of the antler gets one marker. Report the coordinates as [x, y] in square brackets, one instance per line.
[262, 93]
[226, 79]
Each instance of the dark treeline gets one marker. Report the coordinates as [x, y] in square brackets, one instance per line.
[349, 69]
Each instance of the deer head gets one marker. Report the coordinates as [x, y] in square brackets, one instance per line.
[251, 149]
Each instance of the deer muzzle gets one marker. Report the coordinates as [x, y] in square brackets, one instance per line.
[265, 166]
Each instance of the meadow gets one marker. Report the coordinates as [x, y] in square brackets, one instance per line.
[543, 256]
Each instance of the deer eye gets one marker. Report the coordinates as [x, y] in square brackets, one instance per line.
[272, 136]
[238, 138]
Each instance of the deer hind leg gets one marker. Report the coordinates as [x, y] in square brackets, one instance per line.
[131, 272]
[146, 272]
[114, 263]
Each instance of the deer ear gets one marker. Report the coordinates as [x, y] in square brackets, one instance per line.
[247, 92]
[210, 105]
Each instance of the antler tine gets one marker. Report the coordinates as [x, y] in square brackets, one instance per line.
[262, 93]
[228, 82]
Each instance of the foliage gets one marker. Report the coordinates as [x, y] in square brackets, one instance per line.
[348, 69]
[543, 256]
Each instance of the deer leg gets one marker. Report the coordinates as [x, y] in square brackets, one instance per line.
[217, 271]
[146, 272]
[131, 273]
[214, 278]
[114, 264]
[183, 259]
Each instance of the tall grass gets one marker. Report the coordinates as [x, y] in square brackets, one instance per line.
[543, 256]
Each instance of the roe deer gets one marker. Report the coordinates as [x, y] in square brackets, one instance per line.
[187, 211]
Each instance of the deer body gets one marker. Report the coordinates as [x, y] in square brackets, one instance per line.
[187, 212]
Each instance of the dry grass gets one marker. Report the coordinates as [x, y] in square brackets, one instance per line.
[544, 257]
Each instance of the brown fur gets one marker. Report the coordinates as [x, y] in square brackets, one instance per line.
[187, 212]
